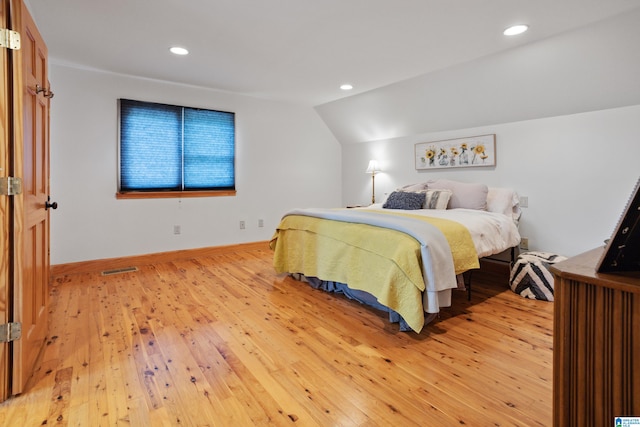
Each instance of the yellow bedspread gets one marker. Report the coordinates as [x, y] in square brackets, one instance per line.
[463, 250]
[383, 262]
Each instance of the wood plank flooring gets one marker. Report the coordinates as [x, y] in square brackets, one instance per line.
[222, 340]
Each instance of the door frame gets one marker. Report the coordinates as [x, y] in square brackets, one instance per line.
[5, 210]
[11, 159]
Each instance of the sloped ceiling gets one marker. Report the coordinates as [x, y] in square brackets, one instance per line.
[591, 68]
[297, 51]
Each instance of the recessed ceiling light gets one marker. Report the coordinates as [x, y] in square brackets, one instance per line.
[179, 50]
[515, 29]
[346, 86]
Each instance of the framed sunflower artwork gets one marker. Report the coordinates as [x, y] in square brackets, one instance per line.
[472, 151]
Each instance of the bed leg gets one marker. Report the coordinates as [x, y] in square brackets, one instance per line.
[467, 283]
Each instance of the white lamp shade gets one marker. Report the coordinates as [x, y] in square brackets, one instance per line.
[373, 167]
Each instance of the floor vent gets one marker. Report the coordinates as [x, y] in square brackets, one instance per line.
[119, 270]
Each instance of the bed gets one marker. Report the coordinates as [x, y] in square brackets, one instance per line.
[403, 256]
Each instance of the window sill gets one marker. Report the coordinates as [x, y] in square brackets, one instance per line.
[173, 194]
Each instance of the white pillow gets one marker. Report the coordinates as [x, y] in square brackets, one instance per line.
[464, 195]
[504, 201]
[414, 187]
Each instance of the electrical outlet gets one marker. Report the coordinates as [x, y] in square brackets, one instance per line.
[524, 243]
[260, 223]
[524, 201]
[242, 225]
[176, 229]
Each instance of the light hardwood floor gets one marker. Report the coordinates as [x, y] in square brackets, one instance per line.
[222, 340]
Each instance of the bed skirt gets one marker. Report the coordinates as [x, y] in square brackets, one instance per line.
[360, 296]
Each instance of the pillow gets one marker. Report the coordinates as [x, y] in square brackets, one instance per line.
[464, 195]
[434, 199]
[404, 200]
[504, 201]
[416, 188]
[437, 199]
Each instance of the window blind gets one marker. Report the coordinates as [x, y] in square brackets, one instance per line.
[173, 148]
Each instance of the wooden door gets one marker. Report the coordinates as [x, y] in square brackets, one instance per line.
[31, 265]
[5, 214]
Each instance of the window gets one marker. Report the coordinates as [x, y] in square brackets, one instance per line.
[173, 151]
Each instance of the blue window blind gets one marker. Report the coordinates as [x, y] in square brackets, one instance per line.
[172, 148]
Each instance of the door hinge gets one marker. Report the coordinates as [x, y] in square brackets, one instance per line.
[9, 39]
[11, 331]
[10, 186]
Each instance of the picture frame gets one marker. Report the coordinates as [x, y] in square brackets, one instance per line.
[471, 151]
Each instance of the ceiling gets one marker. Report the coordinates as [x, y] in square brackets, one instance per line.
[297, 51]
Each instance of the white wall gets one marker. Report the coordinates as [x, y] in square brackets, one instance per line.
[578, 172]
[285, 158]
[566, 113]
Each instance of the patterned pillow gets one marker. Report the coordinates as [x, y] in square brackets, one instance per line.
[437, 199]
[404, 200]
[434, 199]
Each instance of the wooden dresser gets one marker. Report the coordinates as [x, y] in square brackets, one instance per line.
[596, 342]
